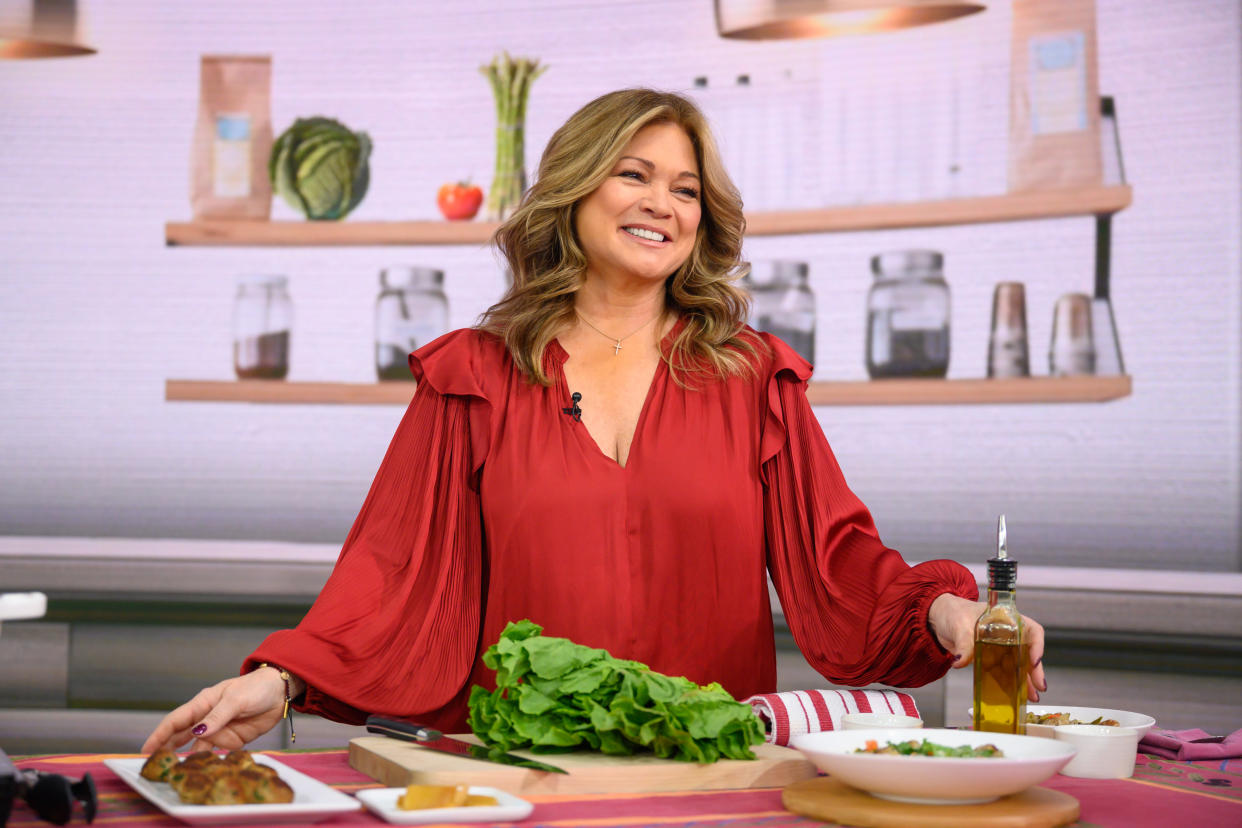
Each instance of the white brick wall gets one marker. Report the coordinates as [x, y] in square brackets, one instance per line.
[95, 312]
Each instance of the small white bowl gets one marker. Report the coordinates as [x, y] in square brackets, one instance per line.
[874, 721]
[1103, 752]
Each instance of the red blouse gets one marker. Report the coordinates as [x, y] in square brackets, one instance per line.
[493, 505]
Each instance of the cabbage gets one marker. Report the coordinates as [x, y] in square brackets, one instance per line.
[320, 167]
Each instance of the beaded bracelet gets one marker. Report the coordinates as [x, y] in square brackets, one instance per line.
[285, 714]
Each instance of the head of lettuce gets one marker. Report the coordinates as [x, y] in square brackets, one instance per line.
[553, 695]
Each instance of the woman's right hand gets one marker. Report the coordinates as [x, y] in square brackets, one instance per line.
[227, 715]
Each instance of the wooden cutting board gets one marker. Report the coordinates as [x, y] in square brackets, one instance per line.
[825, 798]
[396, 763]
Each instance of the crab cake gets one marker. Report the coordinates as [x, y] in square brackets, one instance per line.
[158, 764]
[239, 759]
[195, 787]
[279, 791]
[226, 790]
[216, 768]
[198, 759]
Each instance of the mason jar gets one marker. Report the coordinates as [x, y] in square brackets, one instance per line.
[262, 319]
[411, 310]
[908, 315]
[782, 303]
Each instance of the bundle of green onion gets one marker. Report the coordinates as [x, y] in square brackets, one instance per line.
[511, 79]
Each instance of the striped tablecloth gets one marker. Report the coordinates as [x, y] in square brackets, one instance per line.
[1161, 793]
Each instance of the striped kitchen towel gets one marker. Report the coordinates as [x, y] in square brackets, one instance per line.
[791, 713]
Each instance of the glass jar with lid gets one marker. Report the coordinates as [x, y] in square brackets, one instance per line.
[411, 310]
[262, 320]
[908, 315]
[782, 303]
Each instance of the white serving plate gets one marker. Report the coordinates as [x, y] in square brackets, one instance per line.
[383, 803]
[935, 780]
[312, 800]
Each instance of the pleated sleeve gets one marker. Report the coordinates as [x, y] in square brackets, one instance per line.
[857, 611]
[396, 627]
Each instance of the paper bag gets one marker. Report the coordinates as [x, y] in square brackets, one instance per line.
[233, 139]
[1054, 111]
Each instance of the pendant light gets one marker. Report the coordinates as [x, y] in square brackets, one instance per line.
[40, 29]
[791, 19]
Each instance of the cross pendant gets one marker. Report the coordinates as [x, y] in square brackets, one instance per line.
[616, 348]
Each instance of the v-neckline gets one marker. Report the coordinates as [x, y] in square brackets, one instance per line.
[562, 356]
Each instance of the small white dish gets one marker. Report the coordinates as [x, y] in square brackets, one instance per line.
[880, 721]
[1103, 752]
[935, 780]
[383, 803]
[312, 800]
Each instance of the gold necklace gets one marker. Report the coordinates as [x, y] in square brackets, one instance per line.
[616, 347]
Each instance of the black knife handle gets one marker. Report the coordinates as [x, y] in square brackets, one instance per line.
[402, 729]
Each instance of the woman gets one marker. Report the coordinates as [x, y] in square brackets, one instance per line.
[613, 454]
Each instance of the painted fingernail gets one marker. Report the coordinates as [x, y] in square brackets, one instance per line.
[199, 730]
[957, 657]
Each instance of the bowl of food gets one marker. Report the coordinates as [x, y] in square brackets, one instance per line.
[1044, 719]
[1041, 719]
[935, 766]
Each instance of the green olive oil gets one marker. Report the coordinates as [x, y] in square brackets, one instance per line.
[1000, 658]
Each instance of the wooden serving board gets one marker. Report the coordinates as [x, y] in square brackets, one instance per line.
[825, 798]
[396, 763]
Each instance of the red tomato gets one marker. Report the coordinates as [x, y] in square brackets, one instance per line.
[459, 200]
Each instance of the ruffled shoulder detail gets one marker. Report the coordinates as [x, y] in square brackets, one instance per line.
[784, 367]
[465, 363]
[459, 363]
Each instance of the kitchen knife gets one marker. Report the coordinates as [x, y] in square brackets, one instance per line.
[435, 740]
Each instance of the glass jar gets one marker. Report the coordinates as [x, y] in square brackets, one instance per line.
[262, 319]
[783, 304]
[908, 315]
[411, 310]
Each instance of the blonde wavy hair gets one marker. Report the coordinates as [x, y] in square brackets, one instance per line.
[548, 264]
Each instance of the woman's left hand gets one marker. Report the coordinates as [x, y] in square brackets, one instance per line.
[952, 620]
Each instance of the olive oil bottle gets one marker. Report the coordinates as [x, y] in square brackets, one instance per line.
[1000, 655]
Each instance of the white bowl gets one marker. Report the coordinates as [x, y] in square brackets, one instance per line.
[1124, 718]
[1103, 752]
[882, 721]
[1134, 721]
[935, 780]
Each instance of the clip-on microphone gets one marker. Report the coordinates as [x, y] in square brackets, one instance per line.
[573, 410]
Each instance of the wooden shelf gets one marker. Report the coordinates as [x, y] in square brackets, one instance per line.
[970, 391]
[280, 391]
[980, 210]
[326, 233]
[862, 392]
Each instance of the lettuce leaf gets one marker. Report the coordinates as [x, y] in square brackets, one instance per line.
[553, 695]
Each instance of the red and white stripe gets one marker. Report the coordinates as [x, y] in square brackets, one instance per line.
[809, 711]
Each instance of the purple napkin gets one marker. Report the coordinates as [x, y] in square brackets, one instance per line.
[1181, 745]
